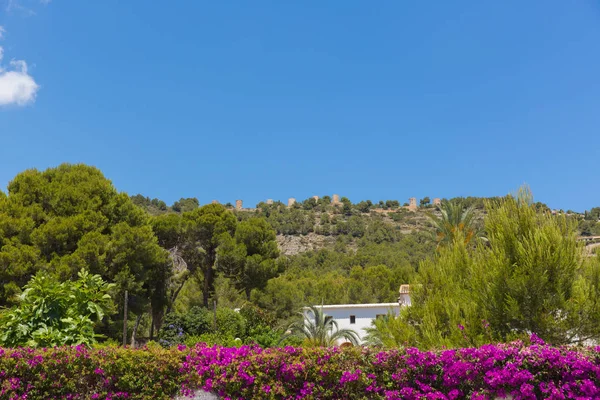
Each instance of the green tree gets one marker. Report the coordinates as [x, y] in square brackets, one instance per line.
[186, 204]
[444, 311]
[249, 257]
[379, 231]
[594, 214]
[50, 313]
[528, 277]
[533, 269]
[390, 331]
[373, 284]
[392, 203]
[455, 221]
[346, 206]
[208, 227]
[173, 233]
[309, 203]
[364, 206]
[71, 217]
[320, 330]
[424, 202]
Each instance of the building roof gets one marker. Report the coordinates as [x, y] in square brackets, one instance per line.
[404, 289]
[370, 305]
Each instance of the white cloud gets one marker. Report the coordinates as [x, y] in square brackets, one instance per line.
[17, 87]
[2, 32]
[15, 5]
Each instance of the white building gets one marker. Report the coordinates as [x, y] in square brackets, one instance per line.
[357, 316]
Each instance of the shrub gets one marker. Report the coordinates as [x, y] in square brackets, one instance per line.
[50, 313]
[177, 327]
[80, 373]
[230, 323]
[488, 372]
[256, 316]
[523, 371]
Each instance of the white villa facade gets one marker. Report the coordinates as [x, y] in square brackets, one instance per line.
[359, 316]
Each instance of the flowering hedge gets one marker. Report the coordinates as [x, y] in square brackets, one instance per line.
[80, 373]
[522, 371]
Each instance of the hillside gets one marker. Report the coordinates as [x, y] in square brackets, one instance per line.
[277, 256]
[336, 251]
[315, 224]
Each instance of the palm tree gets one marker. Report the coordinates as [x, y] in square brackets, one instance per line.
[455, 223]
[321, 330]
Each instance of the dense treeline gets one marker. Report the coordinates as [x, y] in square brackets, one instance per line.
[54, 224]
[65, 219]
[526, 274]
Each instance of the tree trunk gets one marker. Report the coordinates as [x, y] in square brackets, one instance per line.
[174, 296]
[208, 277]
[157, 317]
[207, 284]
[152, 326]
[135, 328]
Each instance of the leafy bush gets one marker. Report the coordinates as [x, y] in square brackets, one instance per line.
[230, 323]
[214, 339]
[264, 336]
[178, 327]
[54, 314]
[523, 371]
[198, 326]
[80, 373]
[256, 316]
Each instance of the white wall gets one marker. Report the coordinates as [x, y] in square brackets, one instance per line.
[364, 314]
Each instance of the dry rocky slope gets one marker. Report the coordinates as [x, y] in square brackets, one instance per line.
[292, 244]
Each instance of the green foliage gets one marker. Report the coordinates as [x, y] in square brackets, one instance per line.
[455, 221]
[265, 337]
[529, 277]
[390, 331]
[525, 370]
[186, 204]
[288, 221]
[320, 330]
[177, 327]
[325, 277]
[443, 307]
[152, 206]
[248, 258]
[230, 323]
[374, 284]
[593, 214]
[364, 206]
[208, 227]
[589, 227]
[227, 294]
[50, 313]
[214, 339]
[104, 373]
[71, 217]
[533, 264]
[200, 323]
[256, 316]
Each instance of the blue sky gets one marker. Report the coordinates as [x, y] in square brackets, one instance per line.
[273, 99]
